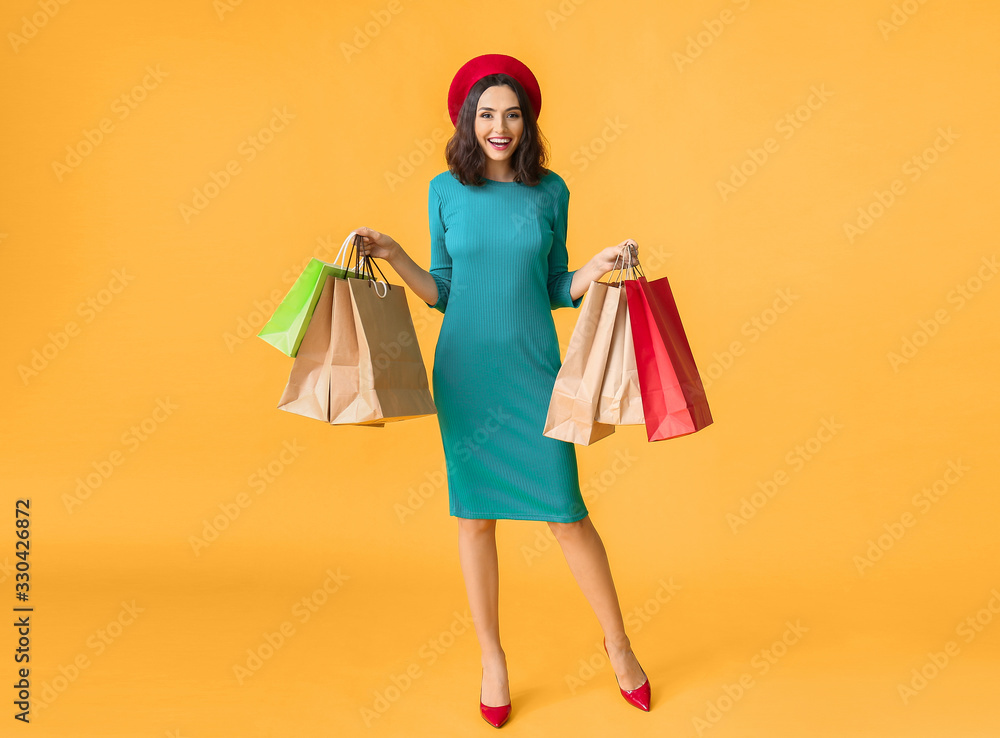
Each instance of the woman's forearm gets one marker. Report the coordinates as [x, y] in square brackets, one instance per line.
[582, 278]
[417, 278]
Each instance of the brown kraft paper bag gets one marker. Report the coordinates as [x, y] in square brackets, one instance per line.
[620, 401]
[391, 380]
[573, 404]
[309, 382]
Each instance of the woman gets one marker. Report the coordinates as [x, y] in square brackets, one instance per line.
[498, 221]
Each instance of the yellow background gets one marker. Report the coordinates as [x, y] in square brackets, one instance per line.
[134, 304]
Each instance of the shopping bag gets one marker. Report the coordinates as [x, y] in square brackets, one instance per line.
[573, 403]
[673, 397]
[392, 379]
[309, 384]
[359, 362]
[287, 325]
[308, 389]
[620, 400]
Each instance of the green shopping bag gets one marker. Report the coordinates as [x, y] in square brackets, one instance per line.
[288, 324]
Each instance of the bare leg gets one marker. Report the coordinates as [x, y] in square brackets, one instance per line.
[477, 550]
[588, 560]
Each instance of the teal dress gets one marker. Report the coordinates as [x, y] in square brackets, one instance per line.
[498, 256]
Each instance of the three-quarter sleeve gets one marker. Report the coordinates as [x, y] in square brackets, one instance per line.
[559, 278]
[440, 258]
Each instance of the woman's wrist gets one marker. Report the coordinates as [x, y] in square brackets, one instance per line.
[395, 254]
[582, 278]
[592, 271]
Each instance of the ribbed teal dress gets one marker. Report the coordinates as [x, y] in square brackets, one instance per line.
[498, 256]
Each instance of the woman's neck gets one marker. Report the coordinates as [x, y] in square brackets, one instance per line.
[499, 171]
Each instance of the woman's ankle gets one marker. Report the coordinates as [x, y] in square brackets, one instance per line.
[493, 658]
[619, 642]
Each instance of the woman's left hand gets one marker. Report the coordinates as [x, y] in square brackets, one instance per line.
[604, 260]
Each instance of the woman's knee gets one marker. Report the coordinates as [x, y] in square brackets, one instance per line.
[566, 530]
[476, 525]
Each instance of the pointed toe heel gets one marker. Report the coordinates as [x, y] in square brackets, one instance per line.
[638, 697]
[495, 716]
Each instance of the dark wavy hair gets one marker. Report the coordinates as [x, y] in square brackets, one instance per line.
[466, 158]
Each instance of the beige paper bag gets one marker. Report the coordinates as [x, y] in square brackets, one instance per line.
[620, 401]
[390, 382]
[308, 389]
[307, 392]
[573, 404]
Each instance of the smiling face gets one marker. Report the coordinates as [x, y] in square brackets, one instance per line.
[499, 126]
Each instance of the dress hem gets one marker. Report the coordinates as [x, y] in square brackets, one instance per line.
[496, 516]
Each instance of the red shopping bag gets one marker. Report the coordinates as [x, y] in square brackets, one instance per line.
[673, 397]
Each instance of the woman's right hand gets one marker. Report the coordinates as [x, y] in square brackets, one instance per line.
[377, 245]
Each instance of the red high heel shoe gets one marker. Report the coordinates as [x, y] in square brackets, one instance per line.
[495, 716]
[638, 697]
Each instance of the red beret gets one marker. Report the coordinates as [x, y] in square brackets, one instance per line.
[481, 66]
